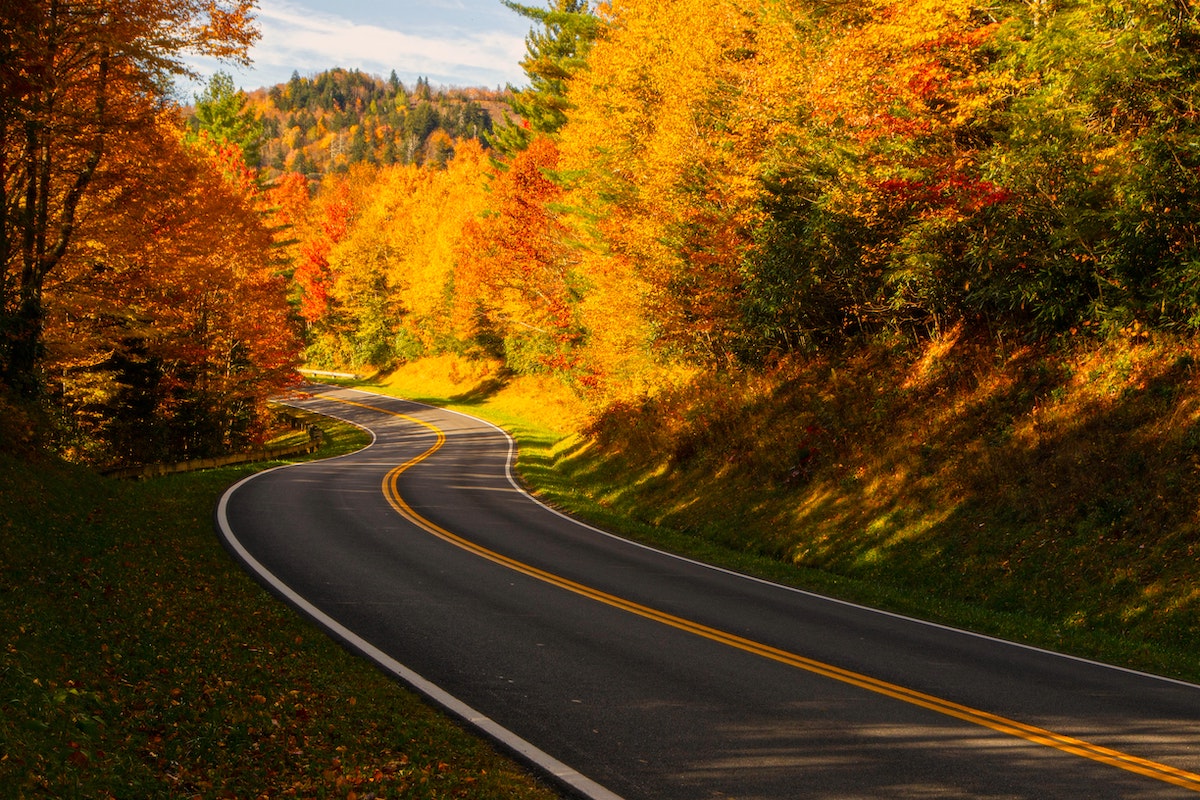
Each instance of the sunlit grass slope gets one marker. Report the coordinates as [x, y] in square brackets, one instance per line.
[137, 660]
[1047, 495]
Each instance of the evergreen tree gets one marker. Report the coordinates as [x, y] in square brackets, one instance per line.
[422, 120]
[298, 91]
[389, 152]
[359, 149]
[302, 164]
[221, 112]
[553, 55]
[279, 97]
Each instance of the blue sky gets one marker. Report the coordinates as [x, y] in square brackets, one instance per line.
[449, 42]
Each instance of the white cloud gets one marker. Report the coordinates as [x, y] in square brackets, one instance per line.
[296, 38]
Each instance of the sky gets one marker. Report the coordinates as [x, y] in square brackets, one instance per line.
[462, 43]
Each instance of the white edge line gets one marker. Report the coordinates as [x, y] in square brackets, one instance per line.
[578, 782]
[846, 603]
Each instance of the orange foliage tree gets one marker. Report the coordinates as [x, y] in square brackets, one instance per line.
[330, 220]
[168, 325]
[79, 80]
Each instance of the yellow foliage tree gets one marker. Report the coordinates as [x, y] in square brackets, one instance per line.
[392, 275]
[665, 150]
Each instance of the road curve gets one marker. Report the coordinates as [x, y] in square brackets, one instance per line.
[622, 671]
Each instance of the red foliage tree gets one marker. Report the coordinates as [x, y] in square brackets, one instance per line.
[333, 212]
[515, 263]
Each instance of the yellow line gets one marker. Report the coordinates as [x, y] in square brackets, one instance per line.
[1066, 744]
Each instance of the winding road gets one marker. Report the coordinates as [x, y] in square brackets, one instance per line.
[625, 672]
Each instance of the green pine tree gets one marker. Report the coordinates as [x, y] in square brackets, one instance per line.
[221, 112]
[553, 54]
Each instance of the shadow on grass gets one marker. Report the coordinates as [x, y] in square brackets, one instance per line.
[1042, 496]
[481, 392]
[476, 396]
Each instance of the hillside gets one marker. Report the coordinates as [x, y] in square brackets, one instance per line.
[337, 118]
[1042, 493]
[1045, 494]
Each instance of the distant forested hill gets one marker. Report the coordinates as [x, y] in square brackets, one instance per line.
[315, 125]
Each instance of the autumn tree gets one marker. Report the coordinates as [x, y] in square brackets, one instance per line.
[77, 77]
[288, 199]
[516, 267]
[331, 219]
[663, 153]
[167, 326]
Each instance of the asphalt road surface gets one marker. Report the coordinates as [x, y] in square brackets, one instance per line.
[626, 672]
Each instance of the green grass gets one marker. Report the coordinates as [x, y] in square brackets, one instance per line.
[138, 660]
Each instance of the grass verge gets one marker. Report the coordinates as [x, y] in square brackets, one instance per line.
[138, 660]
[1042, 496]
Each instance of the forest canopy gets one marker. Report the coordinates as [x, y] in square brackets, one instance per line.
[681, 186]
[723, 183]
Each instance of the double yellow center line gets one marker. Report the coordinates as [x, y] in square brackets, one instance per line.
[1020, 730]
